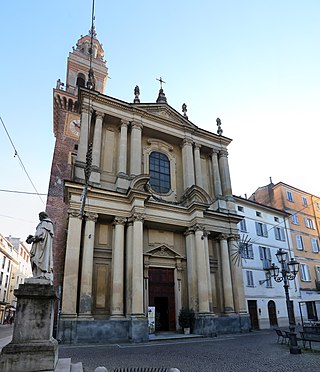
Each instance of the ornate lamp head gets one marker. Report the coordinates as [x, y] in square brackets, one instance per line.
[281, 255]
[293, 267]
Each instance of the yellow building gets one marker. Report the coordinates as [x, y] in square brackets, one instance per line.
[304, 228]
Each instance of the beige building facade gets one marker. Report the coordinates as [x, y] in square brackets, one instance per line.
[304, 224]
[150, 221]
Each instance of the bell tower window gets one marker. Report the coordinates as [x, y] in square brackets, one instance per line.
[81, 80]
[159, 168]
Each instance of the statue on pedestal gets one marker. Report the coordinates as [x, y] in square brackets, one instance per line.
[41, 251]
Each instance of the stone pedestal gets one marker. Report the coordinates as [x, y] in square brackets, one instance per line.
[32, 347]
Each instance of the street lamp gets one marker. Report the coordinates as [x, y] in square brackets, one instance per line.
[288, 271]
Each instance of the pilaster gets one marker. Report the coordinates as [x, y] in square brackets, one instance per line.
[191, 269]
[226, 275]
[85, 305]
[237, 280]
[187, 163]
[216, 175]
[197, 164]
[96, 149]
[71, 268]
[118, 268]
[202, 277]
[137, 265]
[136, 151]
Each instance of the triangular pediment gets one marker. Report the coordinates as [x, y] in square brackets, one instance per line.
[163, 250]
[165, 111]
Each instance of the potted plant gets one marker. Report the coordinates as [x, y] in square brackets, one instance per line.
[186, 319]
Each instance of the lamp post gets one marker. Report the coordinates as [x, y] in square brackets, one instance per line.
[287, 271]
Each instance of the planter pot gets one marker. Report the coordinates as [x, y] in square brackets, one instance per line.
[186, 331]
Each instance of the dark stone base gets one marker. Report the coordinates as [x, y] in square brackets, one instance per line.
[28, 357]
[135, 329]
[103, 331]
[210, 325]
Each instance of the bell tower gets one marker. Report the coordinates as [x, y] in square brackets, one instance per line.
[79, 64]
[82, 68]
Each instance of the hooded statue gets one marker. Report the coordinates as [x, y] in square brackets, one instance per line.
[41, 250]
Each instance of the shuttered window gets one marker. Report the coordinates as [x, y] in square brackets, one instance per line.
[279, 233]
[265, 257]
[261, 229]
[250, 282]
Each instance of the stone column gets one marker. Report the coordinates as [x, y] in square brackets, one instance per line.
[96, 148]
[202, 277]
[191, 269]
[135, 153]
[137, 265]
[85, 306]
[122, 162]
[118, 268]
[197, 164]
[84, 134]
[208, 271]
[71, 266]
[226, 276]
[237, 280]
[129, 259]
[216, 175]
[187, 163]
[224, 173]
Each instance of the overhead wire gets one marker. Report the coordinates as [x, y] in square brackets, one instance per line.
[16, 154]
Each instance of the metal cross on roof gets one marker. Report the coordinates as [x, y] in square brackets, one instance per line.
[161, 81]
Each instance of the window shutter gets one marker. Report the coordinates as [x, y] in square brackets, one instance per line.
[258, 228]
[308, 273]
[268, 254]
[261, 253]
[264, 230]
[250, 250]
[282, 236]
[306, 221]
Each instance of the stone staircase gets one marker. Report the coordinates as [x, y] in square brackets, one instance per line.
[65, 365]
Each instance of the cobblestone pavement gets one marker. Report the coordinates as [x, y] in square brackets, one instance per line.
[257, 351]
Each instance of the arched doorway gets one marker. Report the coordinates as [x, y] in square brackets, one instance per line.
[272, 314]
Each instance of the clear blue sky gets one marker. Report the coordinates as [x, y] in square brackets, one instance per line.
[253, 63]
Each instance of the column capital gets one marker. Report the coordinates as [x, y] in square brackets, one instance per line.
[197, 146]
[119, 221]
[90, 216]
[222, 153]
[222, 237]
[88, 109]
[214, 152]
[137, 125]
[233, 237]
[186, 141]
[206, 233]
[74, 213]
[99, 114]
[124, 123]
[193, 229]
[138, 217]
[189, 231]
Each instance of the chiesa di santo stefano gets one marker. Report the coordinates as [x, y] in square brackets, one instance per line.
[143, 213]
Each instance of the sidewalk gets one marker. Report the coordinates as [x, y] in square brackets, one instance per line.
[5, 334]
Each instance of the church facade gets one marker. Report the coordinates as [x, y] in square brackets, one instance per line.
[144, 214]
